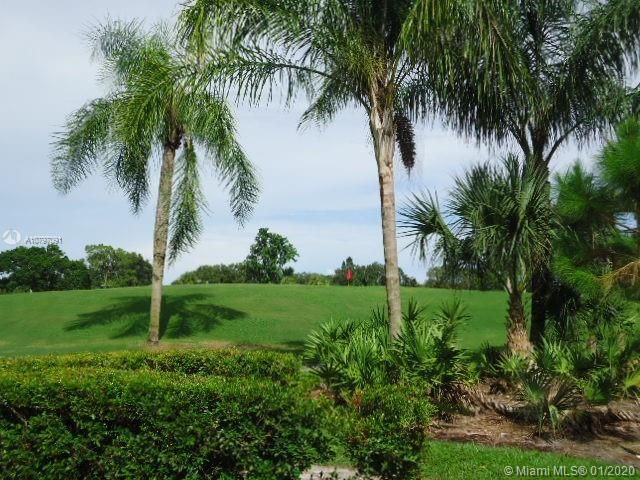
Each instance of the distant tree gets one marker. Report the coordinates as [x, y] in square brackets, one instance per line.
[268, 256]
[102, 263]
[115, 267]
[41, 269]
[440, 277]
[373, 274]
[149, 110]
[232, 273]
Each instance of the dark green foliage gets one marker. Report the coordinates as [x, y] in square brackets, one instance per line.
[230, 363]
[41, 269]
[367, 275]
[114, 267]
[438, 277]
[620, 167]
[75, 423]
[232, 273]
[358, 354]
[268, 255]
[387, 431]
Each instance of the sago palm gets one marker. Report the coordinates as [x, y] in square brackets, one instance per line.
[149, 112]
[340, 53]
[499, 225]
[566, 81]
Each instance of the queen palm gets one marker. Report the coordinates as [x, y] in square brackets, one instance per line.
[499, 227]
[566, 80]
[150, 112]
[344, 53]
[341, 53]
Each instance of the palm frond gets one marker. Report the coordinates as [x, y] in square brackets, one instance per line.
[188, 203]
[78, 148]
[211, 124]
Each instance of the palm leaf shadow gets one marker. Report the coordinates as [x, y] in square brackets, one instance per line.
[182, 316]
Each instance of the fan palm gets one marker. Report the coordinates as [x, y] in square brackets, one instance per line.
[149, 111]
[499, 226]
[340, 53]
[570, 57]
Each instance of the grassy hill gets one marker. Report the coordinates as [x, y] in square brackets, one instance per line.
[278, 316]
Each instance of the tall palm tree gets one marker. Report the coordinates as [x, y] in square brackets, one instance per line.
[340, 53]
[343, 53]
[499, 226]
[566, 80]
[150, 112]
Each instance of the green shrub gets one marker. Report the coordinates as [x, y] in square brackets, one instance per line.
[274, 366]
[77, 423]
[357, 354]
[387, 432]
[485, 362]
[548, 398]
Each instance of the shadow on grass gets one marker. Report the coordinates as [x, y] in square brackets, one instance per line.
[182, 316]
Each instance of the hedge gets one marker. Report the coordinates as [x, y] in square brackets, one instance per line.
[65, 423]
[387, 431]
[280, 367]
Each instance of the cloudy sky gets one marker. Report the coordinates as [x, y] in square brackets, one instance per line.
[319, 187]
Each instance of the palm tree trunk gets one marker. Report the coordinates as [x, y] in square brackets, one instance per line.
[160, 238]
[541, 277]
[382, 131]
[517, 337]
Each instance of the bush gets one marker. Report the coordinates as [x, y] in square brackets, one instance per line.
[233, 273]
[280, 367]
[387, 431]
[70, 423]
[350, 355]
[305, 278]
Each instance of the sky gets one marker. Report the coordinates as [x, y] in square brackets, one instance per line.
[319, 185]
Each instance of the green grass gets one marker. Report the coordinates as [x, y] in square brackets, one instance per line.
[279, 316]
[451, 461]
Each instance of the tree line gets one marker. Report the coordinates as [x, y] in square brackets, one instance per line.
[40, 269]
[372, 274]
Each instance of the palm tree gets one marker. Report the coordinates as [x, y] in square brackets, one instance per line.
[343, 53]
[565, 80]
[499, 226]
[149, 111]
[340, 53]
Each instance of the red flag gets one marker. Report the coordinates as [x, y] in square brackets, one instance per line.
[349, 275]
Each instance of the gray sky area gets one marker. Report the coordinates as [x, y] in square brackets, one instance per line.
[319, 186]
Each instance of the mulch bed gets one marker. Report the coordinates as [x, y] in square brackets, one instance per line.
[611, 433]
